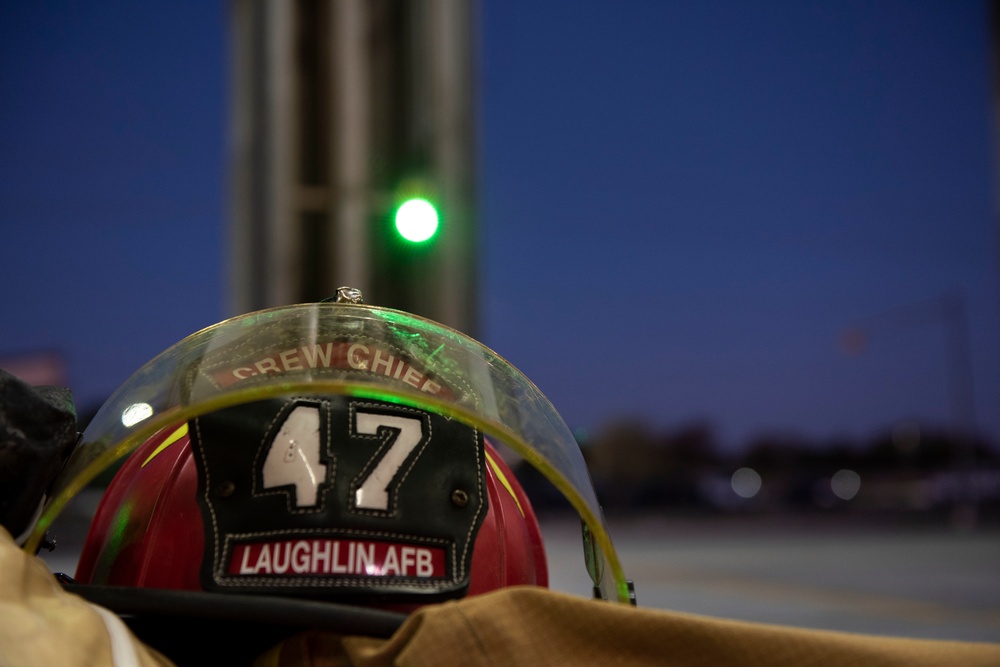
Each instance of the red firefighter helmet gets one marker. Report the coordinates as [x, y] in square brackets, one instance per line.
[150, 527]
[324, 453]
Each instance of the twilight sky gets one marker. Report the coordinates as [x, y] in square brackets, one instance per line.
[684, 205]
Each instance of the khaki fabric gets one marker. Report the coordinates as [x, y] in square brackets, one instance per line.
[40, 624]
[531, 626]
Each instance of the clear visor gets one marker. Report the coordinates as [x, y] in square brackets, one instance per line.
[348, 349]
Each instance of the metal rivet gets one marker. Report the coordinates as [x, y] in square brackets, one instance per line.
[349, 295]
[459, 498]
[226, 489]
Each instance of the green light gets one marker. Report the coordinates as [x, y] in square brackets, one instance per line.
[416, 220]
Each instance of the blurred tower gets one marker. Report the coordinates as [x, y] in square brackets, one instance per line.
[341, 108]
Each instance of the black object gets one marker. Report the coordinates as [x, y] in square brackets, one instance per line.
[38, 431]
[196, 627]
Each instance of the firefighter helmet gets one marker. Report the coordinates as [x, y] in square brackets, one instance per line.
[333, 451]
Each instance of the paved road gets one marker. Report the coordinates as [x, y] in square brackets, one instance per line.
[930, 582]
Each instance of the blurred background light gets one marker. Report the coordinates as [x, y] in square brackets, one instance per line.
[746, 482]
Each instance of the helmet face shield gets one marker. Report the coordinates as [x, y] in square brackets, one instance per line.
[379, 369]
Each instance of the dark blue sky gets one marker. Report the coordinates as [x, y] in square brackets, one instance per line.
[683, 204]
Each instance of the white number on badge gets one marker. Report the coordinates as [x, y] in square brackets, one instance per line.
[293, 458]
[373, 491]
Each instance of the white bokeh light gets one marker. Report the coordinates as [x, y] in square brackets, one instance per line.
[845, 484]
[746, 482]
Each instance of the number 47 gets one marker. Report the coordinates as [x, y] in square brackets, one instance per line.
[293, 456]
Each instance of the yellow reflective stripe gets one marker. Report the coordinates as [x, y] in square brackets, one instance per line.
[174, 437]
[503, 480]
